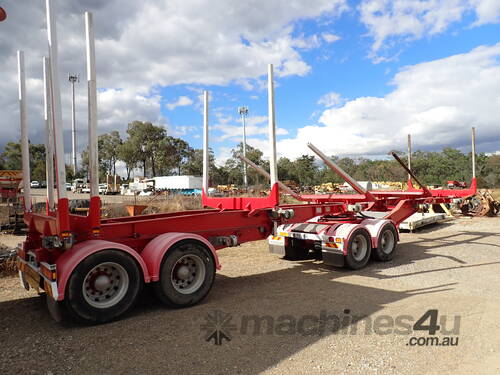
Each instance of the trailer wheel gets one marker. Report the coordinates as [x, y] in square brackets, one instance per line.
[358, 249]
[186, 275]
[386, 244]
[103, 286]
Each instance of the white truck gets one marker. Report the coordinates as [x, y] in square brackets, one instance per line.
[185, 185]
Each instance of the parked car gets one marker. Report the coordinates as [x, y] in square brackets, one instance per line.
[77, 185]
[103, 188]
[68, 186]
[146, 192]
[86, 189]
[35, 184]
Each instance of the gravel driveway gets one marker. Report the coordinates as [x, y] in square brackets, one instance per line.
[453, 268]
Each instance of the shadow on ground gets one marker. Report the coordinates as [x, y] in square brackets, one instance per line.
[155, 339]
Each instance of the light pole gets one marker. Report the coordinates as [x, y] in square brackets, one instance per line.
[243, 111]
[73, 79]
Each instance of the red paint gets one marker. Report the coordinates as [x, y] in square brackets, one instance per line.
[156, 249]
[69, 259]
[148, 237]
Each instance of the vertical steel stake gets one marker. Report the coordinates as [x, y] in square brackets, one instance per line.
[25, 150]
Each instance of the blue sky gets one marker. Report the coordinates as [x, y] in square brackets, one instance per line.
[343, 67]
[351, 76]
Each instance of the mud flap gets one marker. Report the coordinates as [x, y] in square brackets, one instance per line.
[276, 245]
[333, 259]
[54, 308]
[23, 280]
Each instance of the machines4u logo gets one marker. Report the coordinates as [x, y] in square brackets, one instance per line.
[442, 330]
[218, 327]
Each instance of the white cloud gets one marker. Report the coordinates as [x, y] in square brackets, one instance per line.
[119, 107]
[174, 42]
[330, 38]
[437, 102]
[331, 99]
[182, 130]
[307, 43]
[488, 11]
[388, 21]
[181, 102]
[254, 126]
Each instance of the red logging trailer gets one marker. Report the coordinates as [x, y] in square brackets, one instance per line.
[366, 225]
[96, 267]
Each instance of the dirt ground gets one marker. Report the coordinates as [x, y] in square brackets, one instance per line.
[452, 267]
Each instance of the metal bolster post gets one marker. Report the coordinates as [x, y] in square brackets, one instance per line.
[95, 202]
[62, 205]
[272, 126]
[24, 131]
[334, 167]
[410, 185]
[263, 173]
[473, 184]
[245, 203]
[206, 152]
[411, 174]
[473, 152]
[49, 135]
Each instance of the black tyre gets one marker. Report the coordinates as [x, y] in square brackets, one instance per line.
[386, 244]
[295, 250]
[358, 249]
[103, 286]
[186, 275]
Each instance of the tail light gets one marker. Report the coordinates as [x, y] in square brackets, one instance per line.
[48, 270]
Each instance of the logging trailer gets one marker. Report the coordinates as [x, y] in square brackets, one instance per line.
[95, 268]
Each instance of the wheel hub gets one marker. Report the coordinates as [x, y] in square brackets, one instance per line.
[359, 247]
[188, 274]
[183, 272]
[387, 241]
[105, 285]
[102, 282]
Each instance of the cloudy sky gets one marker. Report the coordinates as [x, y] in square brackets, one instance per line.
[352, 76]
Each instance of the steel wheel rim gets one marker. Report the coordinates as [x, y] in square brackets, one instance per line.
[105, 285]
[188, 274]
[387, 241]
[359, 247]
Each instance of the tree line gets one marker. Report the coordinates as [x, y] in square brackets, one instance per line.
[149, 148]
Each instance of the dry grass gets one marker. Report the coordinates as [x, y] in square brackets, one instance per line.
[8, 267]
[8, 264]
[496, 194]
[173, 204]
[4, 214]
[154, 205]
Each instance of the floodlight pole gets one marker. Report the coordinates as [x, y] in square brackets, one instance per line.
[243, 111]
[73, 79]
